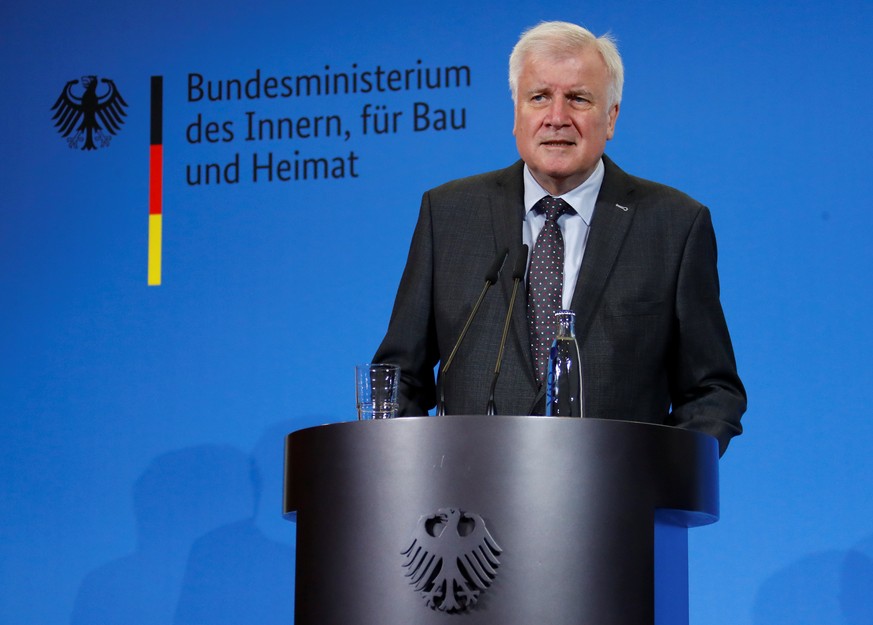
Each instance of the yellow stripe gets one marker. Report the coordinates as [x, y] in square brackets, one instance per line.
[155, 232]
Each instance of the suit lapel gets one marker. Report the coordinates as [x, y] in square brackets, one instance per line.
[507, 214]
[613, 214]
[507, 210]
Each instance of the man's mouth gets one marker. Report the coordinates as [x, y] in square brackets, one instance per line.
[558, 143]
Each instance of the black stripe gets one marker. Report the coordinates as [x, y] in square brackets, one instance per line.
[157, 120]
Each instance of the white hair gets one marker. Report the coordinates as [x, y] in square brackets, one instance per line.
[560, 39]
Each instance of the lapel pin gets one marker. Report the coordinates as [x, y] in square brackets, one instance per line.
[624, 208]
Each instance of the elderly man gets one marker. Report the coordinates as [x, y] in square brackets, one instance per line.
[635, 260]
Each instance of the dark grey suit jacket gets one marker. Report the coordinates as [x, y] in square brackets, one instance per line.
[655, 346]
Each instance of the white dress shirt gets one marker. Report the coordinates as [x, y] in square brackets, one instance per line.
[574, 227]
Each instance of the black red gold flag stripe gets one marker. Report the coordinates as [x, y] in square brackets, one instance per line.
[156, 175]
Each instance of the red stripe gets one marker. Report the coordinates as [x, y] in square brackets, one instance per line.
[156, 183]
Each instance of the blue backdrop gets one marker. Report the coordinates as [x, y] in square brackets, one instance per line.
[142, 426]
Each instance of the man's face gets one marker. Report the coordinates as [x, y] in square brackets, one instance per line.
[563, 118]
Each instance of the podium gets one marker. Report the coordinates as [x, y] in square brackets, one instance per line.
[484, 520]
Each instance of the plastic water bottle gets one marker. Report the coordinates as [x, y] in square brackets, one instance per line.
[564, 379]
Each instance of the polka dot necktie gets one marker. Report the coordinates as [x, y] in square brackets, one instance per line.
[545, 282]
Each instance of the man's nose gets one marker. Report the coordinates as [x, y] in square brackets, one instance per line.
[558, 113]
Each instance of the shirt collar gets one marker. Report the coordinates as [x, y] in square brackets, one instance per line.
[582, 198]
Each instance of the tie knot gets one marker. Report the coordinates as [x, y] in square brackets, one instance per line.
[553, 207]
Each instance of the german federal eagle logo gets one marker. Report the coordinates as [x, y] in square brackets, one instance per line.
[452, 559]
[92, 116]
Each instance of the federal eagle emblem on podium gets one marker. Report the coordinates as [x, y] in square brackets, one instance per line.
[451, 559]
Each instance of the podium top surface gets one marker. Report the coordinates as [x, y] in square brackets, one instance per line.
[668, 469]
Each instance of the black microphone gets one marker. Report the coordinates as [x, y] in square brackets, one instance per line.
[490, 278]
[518, 272]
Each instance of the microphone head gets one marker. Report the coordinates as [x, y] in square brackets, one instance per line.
[520, 263]
[496, 266]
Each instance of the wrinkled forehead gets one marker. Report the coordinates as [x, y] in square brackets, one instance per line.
[557, 53]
